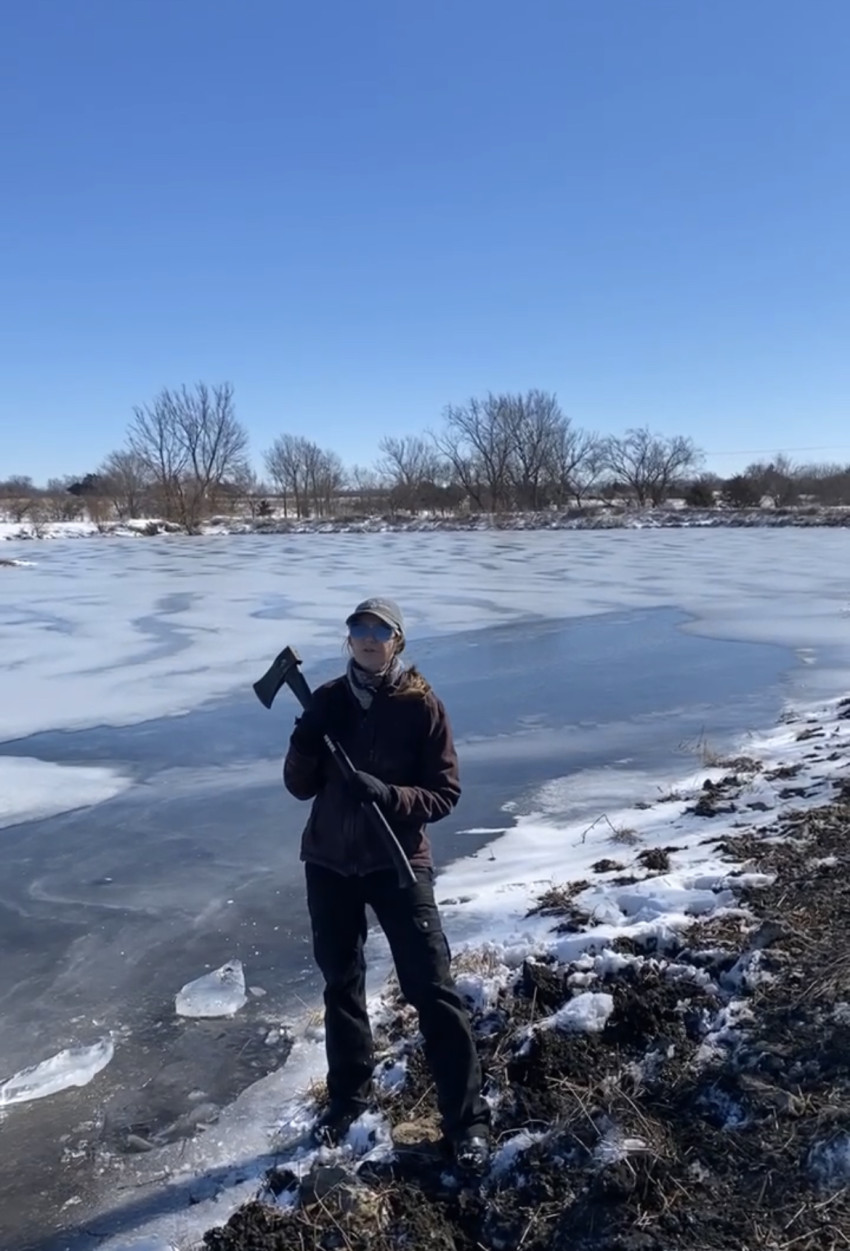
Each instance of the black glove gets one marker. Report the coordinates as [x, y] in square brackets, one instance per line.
[308, 737]
[366, 788]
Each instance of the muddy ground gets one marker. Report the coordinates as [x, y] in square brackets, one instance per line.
[713, 1111]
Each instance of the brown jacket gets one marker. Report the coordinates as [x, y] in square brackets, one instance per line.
[405, 739]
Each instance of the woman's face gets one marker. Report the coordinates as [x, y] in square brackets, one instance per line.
[373, 643]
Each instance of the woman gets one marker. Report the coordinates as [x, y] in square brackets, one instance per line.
[397, 734]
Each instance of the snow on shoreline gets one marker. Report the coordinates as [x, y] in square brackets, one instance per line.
[499, 898]
[607, 518]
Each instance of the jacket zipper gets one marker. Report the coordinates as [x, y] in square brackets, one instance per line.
[355, 818]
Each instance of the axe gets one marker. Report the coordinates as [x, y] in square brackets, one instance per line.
[284, 671]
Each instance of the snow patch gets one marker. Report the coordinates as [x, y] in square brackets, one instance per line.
[587, 1013]
[829, 1162]
[32, 789]
[505, 1158]
[390, 1078]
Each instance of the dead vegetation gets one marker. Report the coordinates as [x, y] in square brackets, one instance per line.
[661, 1133]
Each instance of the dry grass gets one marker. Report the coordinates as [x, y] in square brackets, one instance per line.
[624, 836]
[557, 900]
[482, 961]
[646, 1143]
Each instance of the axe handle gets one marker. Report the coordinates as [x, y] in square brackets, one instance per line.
[297, 683]
[404, 872]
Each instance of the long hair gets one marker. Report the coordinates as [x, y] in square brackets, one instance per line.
[411, 685]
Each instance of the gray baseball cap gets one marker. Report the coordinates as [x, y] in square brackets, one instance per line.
[386, 610]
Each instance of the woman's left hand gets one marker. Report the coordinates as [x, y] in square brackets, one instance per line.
[368, 789]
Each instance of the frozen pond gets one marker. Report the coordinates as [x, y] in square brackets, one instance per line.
[129, 663]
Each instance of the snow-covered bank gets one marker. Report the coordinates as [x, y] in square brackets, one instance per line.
[595, 518]
[650, 921]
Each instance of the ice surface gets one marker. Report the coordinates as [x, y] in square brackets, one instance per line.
[75, 1066]
[30, 789]
[220, 993]
[69, 659]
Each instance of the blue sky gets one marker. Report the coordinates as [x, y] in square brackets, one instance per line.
[361, 212]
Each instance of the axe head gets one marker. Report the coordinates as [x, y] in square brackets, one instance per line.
[283, 668]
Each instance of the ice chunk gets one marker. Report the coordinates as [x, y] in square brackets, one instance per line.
[75, 1066]
[220, 993]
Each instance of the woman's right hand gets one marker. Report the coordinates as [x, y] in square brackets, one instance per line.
[308, 736]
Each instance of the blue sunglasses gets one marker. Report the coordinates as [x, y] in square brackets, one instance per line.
[379, 631]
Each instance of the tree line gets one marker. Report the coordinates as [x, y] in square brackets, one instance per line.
[185, 459]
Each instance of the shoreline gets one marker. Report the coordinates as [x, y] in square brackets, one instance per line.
[691, 919]
[593, 519]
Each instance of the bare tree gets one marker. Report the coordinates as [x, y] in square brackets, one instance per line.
[241, 489]
[366, 491]
[305, 473]
[825, 484]
[191, 442]
[90, 492]
[126, 482]
[19, 498]
[517, 451]
[464, 465]
[61, 501]
[411, 466]
[571, 462]
[247, 489]
[649, 463]
[324, 476]
[284, 463]
[478, 444]
[534, 424]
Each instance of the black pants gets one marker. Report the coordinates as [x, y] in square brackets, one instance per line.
[411, 921]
